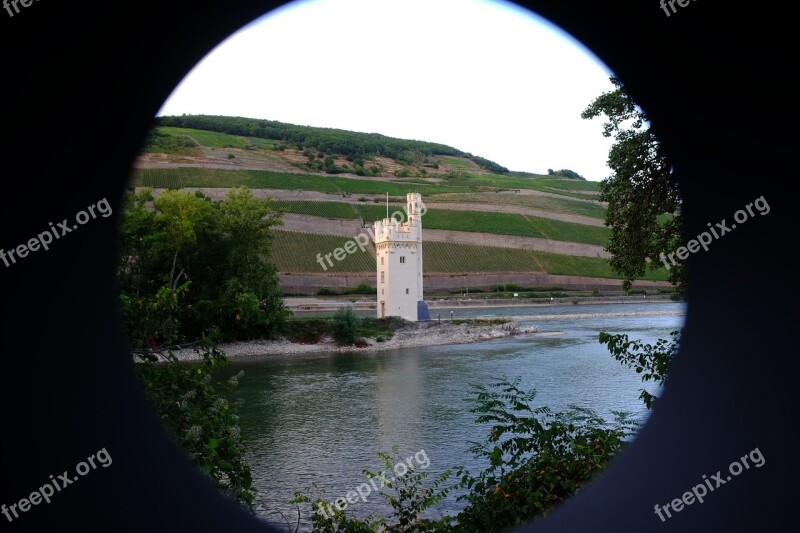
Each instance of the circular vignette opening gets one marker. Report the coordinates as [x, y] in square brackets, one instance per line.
[220, 148]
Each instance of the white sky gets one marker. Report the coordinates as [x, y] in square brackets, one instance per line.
[486, 77]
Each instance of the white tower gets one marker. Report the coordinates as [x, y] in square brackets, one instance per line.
[398, 247]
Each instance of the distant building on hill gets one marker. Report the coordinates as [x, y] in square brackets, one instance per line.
[398, 246]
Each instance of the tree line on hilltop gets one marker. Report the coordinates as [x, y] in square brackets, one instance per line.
[350, 144]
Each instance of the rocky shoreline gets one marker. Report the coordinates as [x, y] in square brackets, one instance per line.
[415, 334]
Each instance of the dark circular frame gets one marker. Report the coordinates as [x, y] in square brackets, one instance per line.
[82, 82]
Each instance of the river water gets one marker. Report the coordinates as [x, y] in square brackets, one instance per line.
[321, 418]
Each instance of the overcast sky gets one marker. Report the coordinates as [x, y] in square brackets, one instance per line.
[486, 77]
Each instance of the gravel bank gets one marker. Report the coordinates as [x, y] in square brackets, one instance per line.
[416, 334]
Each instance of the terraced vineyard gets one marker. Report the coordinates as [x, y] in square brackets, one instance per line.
[539, 183]
[297, 252]
[490, 222]
[558, 230]
[544, 203]
[455, 257]
[373, 212]
[317, 209]
[480, 221]
[569, 265]
[179, 177]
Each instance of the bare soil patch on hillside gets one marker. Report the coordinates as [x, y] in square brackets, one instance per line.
[218, 158]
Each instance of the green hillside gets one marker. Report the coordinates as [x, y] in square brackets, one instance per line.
[328, 140]
[344, 177]
[179, 177]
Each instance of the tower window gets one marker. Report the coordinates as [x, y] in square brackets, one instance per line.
[406, 291]
[382, 279]
[402, 259]
[381, 261]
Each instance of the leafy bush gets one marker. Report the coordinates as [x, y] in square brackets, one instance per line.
[199, 417]
[649, 360]
[346, 326]
[537, 458]
[163, 143]
[596, 292]
[565, 173]
[407, 494]
[306, 330]
[194, 411]
[326, 291]
[361, 288]
[152, 321]
[381, 327]
[491, 166]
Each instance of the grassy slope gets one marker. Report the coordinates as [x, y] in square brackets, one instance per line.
[179, 177]
[213, 139]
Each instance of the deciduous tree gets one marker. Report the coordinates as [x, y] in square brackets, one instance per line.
[642, 192]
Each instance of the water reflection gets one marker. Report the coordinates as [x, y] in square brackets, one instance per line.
[321, 418]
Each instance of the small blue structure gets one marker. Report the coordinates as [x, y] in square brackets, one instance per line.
[422, 310]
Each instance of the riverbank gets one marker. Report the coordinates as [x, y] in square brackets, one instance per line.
[415, 334]
[431, 333]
